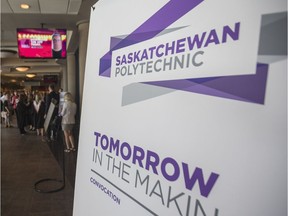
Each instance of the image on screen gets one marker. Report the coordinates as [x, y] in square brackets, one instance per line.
[42, 43]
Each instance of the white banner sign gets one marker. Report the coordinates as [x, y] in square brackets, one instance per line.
[184, 109]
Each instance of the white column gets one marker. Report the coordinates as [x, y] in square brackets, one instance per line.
[63, 73]
[71, 74]
[83, 28]
[64, 77]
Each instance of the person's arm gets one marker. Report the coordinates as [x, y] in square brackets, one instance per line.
[13, 100]
[64, 108]
[6, 106]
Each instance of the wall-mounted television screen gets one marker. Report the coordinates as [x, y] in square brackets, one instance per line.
[42, 43]
[50, 79]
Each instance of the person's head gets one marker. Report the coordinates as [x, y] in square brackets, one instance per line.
[15, 93]
[68, 97]
[22, 97]
[38, 97]
[51, 87]
[30, 97]
[56, 42]
[60, 90]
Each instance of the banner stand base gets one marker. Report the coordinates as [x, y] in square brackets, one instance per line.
[53, 180]
[37, 189]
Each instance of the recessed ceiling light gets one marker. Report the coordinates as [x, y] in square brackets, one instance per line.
[25, 6]
[22, 68]
[7, 53]
[30, 75]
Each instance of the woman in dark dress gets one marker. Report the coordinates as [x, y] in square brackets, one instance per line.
[39, 112]
[30, 114]
[21, 114]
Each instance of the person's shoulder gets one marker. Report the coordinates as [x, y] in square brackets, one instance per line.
[49, 95]
[55, 94]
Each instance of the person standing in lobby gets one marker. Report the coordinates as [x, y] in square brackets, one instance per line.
[14, 101]
[52, 97]
[30, 114]
[7, 110]
[39, 112]
[21, 110]
[68, 121]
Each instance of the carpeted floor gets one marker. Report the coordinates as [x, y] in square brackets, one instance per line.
[26, 159]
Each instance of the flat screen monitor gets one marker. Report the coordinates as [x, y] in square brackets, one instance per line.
[50, 79]
[42, 43]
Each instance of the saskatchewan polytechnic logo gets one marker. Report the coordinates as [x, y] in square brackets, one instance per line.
[183, 54]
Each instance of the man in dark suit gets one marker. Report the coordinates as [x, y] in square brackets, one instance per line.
[52, 97]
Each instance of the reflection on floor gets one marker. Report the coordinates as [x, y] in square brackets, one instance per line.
[25, 159]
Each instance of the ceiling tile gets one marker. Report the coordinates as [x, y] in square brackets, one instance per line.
[15, 6]
[53, 6]
[5, 7]
[74, 6]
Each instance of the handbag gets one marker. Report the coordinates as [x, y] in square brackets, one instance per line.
[56, 121]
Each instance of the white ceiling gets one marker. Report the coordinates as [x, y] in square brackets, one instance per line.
[42, 14]
[42, 6]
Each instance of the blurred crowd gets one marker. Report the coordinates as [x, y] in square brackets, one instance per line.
[27, 107]
[32, 108]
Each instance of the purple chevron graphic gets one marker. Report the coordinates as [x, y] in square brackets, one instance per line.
[248, 88]
[164, 17]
